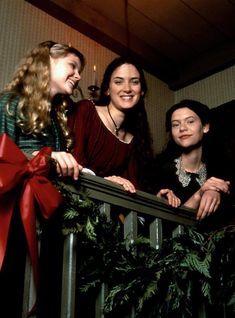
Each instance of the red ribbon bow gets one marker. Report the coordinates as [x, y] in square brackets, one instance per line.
[24, 181]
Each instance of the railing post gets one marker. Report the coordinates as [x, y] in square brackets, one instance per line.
[29, 296]
[99, 304]
[131, 314]
[68, 296]
[201, 311]
[106, 209]
[130, 233]
[30, 292]
[130, 226]
[155, 233]
[178, 230]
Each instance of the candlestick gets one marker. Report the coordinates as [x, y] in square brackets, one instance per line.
[93, 92]
[93, 88]
[94, 76]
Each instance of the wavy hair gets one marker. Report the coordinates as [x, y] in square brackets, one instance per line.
[31, 82]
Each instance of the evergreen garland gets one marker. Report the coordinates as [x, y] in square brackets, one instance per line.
[158, 283]
[79, 212]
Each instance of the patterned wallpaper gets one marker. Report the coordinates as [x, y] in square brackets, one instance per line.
[23, 26]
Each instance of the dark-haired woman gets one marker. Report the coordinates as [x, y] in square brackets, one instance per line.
[112, 137]
[185, 175]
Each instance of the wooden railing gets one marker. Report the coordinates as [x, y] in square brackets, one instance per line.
[110, 194]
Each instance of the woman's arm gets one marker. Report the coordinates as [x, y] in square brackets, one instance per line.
[66, 164]
[79, 122]
[8, 111]
[207, 199]
[209, 203]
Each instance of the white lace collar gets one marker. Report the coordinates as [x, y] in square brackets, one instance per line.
[185, 177]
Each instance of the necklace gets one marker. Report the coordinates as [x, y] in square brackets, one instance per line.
[115, 125]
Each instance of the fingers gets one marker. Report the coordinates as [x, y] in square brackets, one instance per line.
[216, 184]
[209, 203]
[66, 164]
[172, 199]
[127, 185]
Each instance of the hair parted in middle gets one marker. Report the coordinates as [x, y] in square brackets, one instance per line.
[136, 121]
[119, 61]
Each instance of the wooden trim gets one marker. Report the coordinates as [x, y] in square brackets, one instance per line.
[106, 191]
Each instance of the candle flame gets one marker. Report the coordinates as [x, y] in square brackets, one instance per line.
[94, 68]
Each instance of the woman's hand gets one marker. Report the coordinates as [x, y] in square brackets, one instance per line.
[66, 164]
[207, 199]
[215, 184]
[127, 185]
[209, 203]
[172, 199]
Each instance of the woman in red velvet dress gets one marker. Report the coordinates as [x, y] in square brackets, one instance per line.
[112, 137]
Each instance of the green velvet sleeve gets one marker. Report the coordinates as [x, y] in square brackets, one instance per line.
[8, 120]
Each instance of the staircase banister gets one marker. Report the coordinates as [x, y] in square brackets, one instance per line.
[142, 202]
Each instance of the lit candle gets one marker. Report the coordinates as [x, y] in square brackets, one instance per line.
[94, 75]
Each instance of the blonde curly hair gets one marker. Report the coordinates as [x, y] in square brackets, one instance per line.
[31, 82]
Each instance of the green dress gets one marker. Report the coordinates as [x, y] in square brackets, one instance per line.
[28, 143]
[12, 273]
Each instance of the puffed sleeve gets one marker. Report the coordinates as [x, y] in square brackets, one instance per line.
[8, 112]
[78, 123]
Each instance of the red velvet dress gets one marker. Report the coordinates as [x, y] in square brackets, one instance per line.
[97, 148]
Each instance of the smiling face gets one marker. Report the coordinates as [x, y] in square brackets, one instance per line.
[124, 87]
[65, 74]
[186, 127]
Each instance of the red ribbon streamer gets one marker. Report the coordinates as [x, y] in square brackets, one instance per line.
[25, 182]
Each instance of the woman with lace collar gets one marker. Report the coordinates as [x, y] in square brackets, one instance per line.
[184, 174]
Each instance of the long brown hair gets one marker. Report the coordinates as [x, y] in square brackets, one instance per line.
[135, 122]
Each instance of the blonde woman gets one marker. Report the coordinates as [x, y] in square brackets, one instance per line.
[32, 114]
[32, 105]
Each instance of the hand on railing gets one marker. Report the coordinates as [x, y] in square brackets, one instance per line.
[169, 195]
[127, 185]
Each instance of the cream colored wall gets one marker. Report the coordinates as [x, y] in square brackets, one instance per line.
[213, 90]
[158, 99]
[23, 26]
